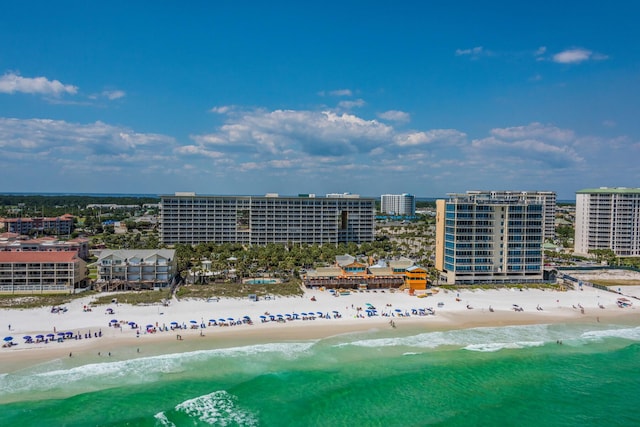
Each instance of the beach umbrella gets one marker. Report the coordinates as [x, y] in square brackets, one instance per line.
[39, 336]
[229, 318]
[304, 314]
[319, 313]
[222, 320]
[335, 311]
[280, 315]
[7, 339]
[398, 310]
[50, 335]
[263, 317]
[149, 326]
[212, 320]
[61, 334]
[193, 321]
[27, 337]
[247, 317]
[174, 323]
[68, 333]
[288, 314]
[132, 323]
[114, 320]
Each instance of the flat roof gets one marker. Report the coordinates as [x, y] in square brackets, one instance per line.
[609, 190]
[269, 196]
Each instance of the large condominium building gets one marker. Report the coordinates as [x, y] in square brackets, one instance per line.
[398, 204]
[190, 218]
[59, 225]
[546, 198]
[608, 218]
[41, 272]
[483, 239]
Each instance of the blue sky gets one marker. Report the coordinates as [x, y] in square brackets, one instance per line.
[363, 97]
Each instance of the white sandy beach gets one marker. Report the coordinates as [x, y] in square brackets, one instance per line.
[466, 308]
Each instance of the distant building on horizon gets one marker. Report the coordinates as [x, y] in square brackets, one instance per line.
[481, 239]
[398, 204]
[259, 220]
[608, 218]
[62, 225]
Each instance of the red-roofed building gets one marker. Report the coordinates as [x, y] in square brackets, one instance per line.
[62, 225]
[41, 272]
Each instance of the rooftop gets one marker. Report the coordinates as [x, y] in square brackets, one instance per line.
[37, 257]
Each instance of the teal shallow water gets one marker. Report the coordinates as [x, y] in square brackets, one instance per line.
[515, 375]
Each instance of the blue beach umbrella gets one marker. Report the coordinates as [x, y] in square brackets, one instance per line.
[149, 326]
[229, 318]
[39, 336]
[50, 335]
[222, 320]
[174, 323]
[263, 317]
[27, 337]
[193, 321]
[114, 320]
[7, 339]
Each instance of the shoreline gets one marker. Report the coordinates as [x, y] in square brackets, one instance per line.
[459, 310]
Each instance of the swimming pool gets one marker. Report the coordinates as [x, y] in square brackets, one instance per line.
[261, 281]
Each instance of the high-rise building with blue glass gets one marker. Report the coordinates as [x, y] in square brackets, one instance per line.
[486, 239]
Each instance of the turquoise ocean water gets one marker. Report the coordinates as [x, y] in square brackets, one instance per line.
[512, 375]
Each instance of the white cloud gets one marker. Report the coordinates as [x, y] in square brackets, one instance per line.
[113, 94]
[449, 136]
[11, 83]
[340, 92]
[576, 56]
[473, 51]
[395, 116]
[535, 130]
[347, 105]
[222, 109]
[536, 143]
[98, 143]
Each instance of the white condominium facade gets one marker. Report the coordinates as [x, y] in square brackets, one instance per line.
[258, 220]
[547, 199]
[150, 267]
[398, 204]
[489, 240]
[608, 218]
[41, 272]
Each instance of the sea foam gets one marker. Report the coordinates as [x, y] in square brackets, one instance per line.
[217, 408]
[136, 371]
